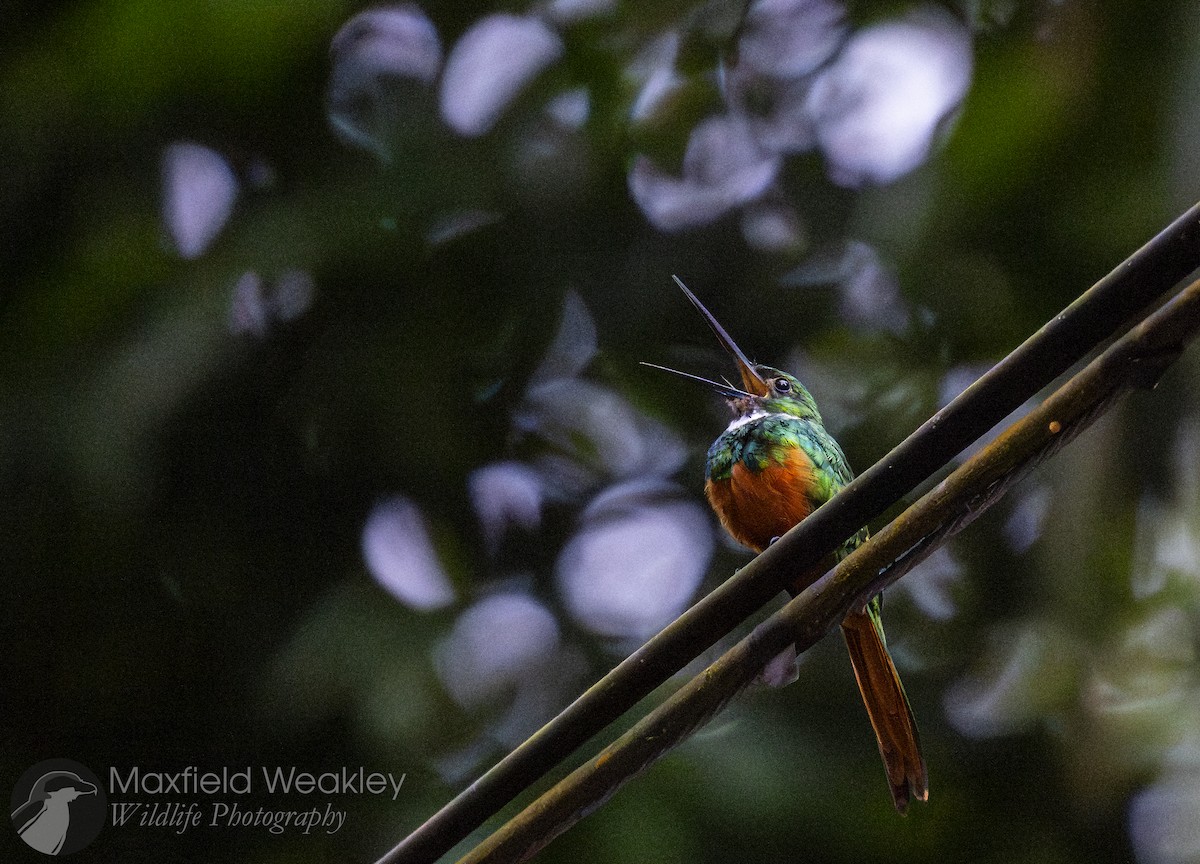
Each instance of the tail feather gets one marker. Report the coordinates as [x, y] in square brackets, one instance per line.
[887, 706]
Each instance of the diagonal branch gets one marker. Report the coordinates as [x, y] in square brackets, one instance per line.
[1093, 318]
[1134, 361]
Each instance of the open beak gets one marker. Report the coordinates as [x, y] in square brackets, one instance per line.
[726, 390]
[751, 380]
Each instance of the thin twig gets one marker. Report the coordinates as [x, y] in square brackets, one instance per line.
[1134, 361]
[1093, 318]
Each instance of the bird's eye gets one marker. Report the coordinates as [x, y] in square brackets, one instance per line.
[782, 385]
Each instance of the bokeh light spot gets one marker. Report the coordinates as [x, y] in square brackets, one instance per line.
[495, 644]
[489, 65]
[879, 105]
[634, 564]
[401, 557]
[199, 190]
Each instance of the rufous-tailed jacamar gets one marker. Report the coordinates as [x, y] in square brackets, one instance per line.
[767, 471]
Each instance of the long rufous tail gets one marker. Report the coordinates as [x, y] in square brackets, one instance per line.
[887, 706]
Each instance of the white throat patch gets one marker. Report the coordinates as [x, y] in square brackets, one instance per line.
[756, 414]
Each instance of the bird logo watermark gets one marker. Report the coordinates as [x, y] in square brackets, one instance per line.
[58, 807]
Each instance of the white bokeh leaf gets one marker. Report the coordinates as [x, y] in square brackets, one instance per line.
[1163, 823]
[395, 40]
[375, 55]
[790, 38]
[626, 574]
[724, 167]
[493, 646]
[597, 427]
[773, 226]
[505, 494]
[929, 584]
[879, 106]
[400, 556]
[489, 65]
[654, 70]
[199, 191]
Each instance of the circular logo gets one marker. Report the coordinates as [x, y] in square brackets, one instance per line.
[58, 807]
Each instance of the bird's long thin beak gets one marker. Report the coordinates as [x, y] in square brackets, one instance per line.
[726, 390]
[751, 380]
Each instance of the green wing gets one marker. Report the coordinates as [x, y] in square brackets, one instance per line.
[832, 470]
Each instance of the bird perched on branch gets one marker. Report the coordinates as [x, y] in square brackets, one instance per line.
[772, 466]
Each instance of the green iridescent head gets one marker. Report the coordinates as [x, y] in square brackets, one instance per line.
[782, 394]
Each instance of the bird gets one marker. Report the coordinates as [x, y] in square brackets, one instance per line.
[46, 814]
[770, 469]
